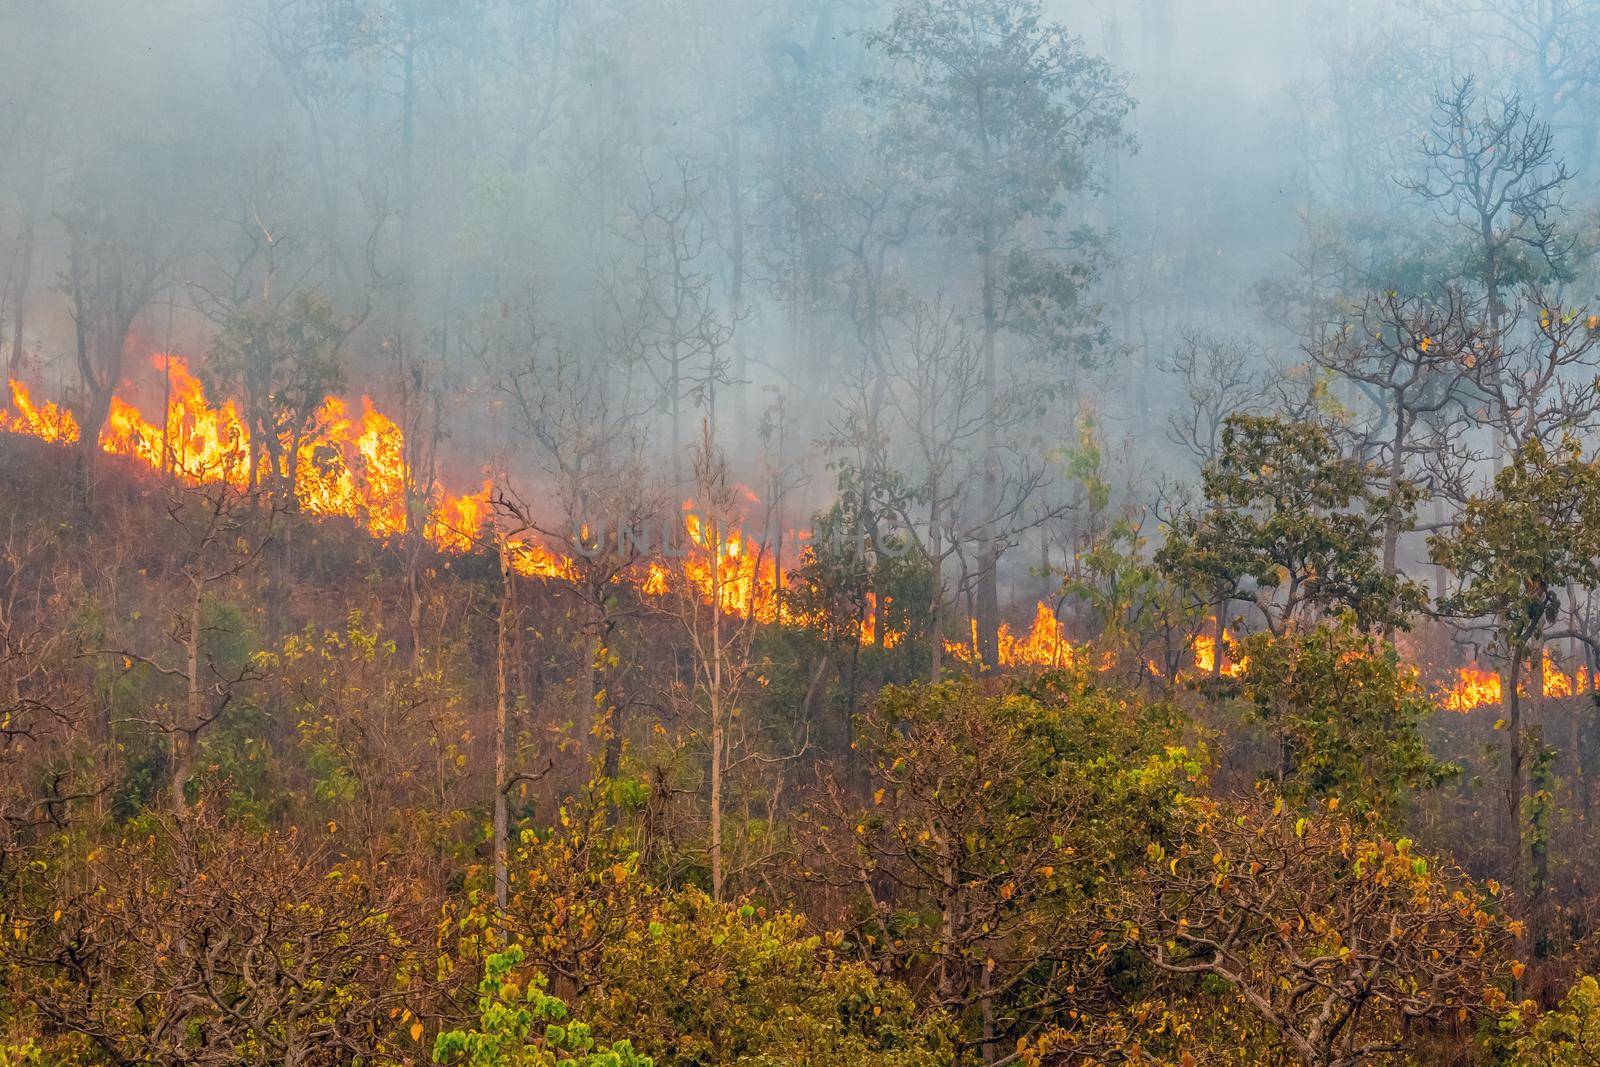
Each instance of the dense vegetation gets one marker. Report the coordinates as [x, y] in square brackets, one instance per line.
[595, 533]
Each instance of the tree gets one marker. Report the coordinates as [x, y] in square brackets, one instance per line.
[282, 361]
[1495, 176]
[1000, 113]
[1220, 379]
[1413, 358]
[689, 980]
[764, 990]
[127, 234]
[666, 309]
[382, 743]
[1292, 526]
[1514, 549]
[1339, 939]
[715, 604]
[1348, 715]
[985, 831]
[509, 1014]
[187, 938]
[222, 531]
[1566, 1036]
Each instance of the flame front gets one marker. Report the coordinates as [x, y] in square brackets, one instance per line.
[1045, 644]
[196, 441]
[358, 468]
[46, 421]
[1205, 656]
[1472, 688]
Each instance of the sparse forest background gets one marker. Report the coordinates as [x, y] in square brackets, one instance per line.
[830, 532]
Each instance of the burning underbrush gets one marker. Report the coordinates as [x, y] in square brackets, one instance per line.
[350, 461]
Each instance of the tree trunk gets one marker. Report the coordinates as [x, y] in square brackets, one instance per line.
[716, 720]
[988, 606]
[1517, 773]
[183, 739]
[500, 877]
[24, 274]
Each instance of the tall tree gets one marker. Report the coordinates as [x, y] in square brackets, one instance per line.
[1001, 113]
[1514, 549]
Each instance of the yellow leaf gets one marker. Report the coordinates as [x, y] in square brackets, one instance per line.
[416, 1030]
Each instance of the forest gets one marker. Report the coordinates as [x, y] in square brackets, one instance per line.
[845, 533]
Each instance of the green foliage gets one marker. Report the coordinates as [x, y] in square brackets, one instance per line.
[282, 360]
[1516, 547]
[1566, 1036]
[763, 989]
[26, 1054]
[994, 821]
[383, 740]
[1110, 570]
[1340, 939]
[1293, 524]
[1348, 713]
[689, 980]
[1000, 114]
[509, 1014]
[859, 559]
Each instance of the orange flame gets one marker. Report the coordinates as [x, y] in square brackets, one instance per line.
[1472, 688]
[1205, 656]
[1554, 682]
[196, 441]
[45, 421]
[1045, 644]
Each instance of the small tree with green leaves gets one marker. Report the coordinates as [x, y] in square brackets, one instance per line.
[1514, 550]
[509, 1016]
[1566, 1036]
[992, 823]
[1347, 715]
[1295, 527]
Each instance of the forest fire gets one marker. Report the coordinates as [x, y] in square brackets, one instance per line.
[46, 421]
[1472, 687]
[196, 441]
[1205, 656]
[357, 467]
[1044, 644]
